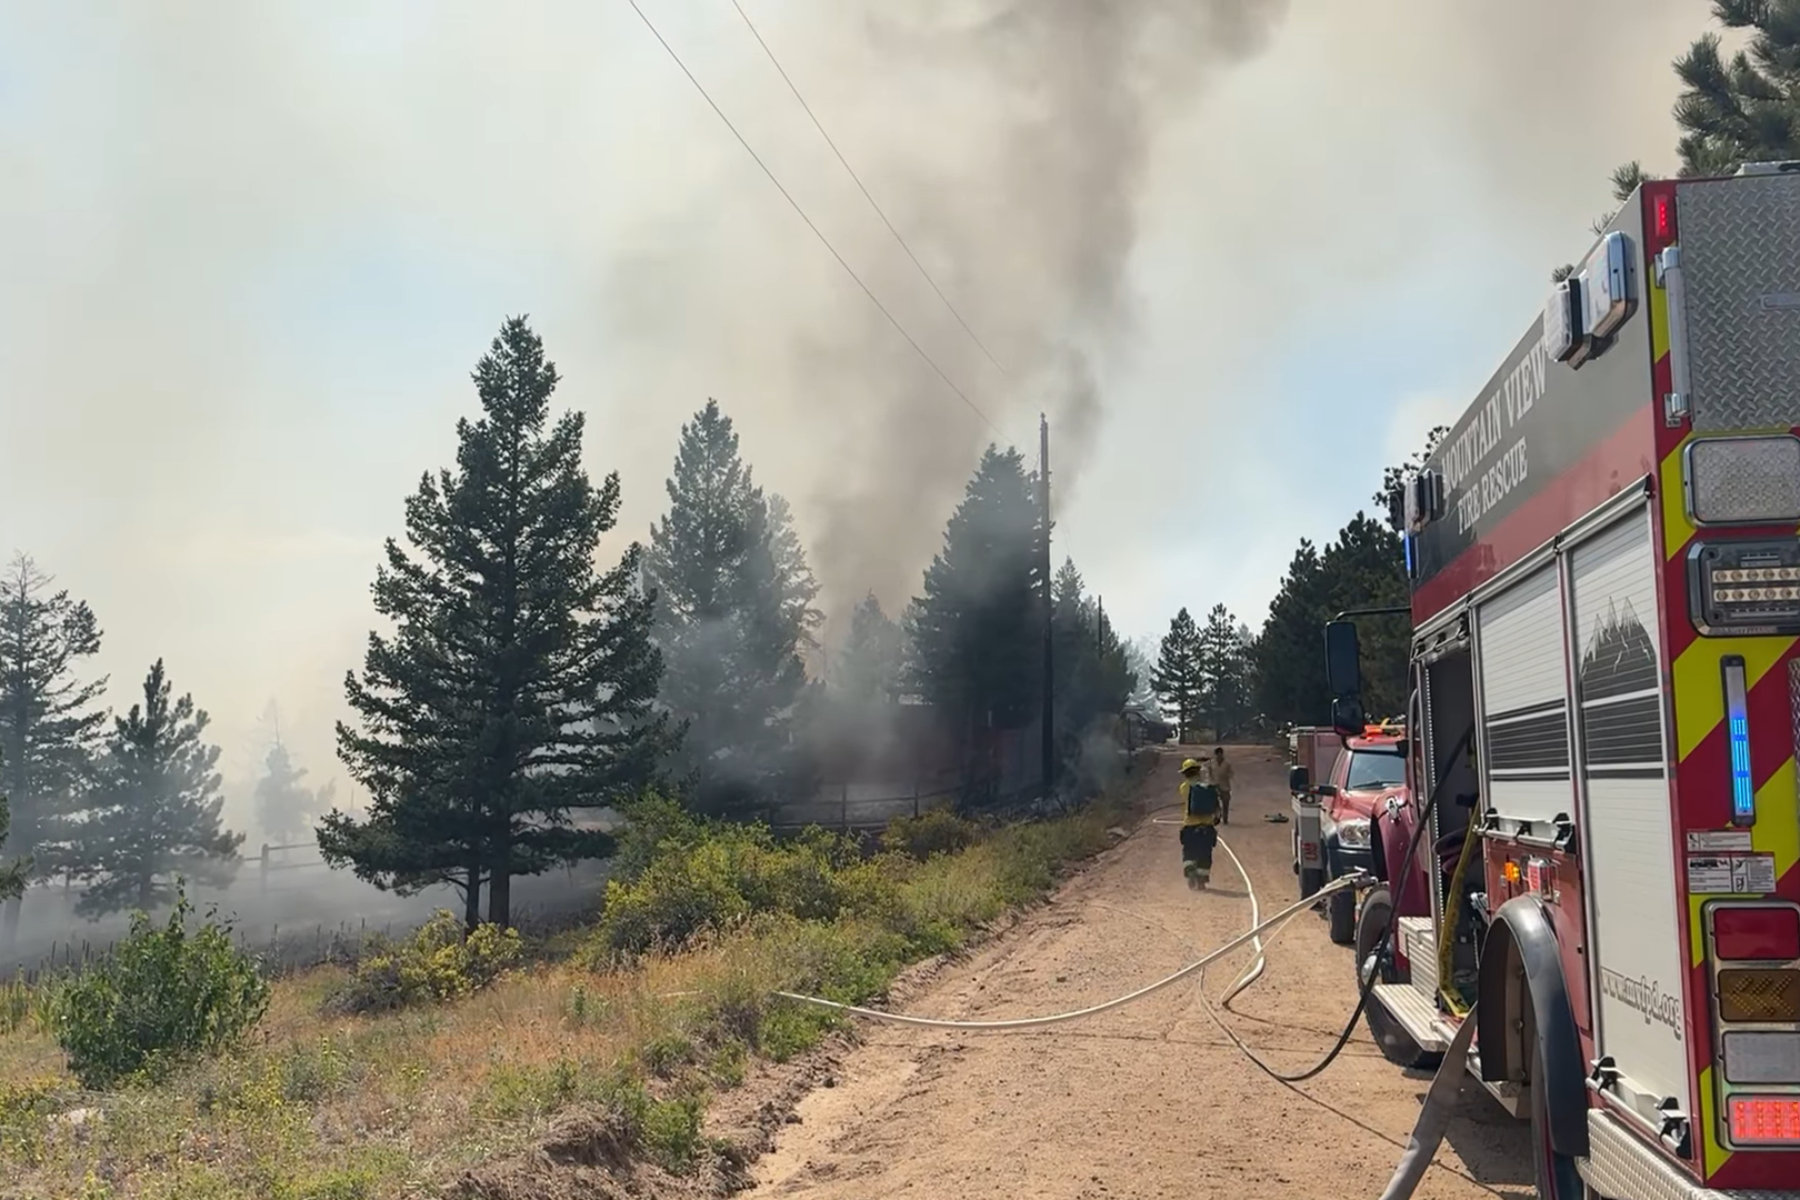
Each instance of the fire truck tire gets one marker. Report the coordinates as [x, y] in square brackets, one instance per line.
[1522, 942]
[1341, 912]
[1397, 1046]
[1556, 1176]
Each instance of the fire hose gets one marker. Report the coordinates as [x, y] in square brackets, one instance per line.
[1446, 1086]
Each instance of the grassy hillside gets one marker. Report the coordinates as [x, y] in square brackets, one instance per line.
[403, 1073]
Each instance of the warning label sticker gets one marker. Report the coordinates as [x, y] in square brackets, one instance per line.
[1719, 841]
[1731, 874]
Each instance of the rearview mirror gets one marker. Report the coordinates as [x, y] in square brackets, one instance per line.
[1299, 780]
[1347, 717]
[1328, 790]
[1343, 660]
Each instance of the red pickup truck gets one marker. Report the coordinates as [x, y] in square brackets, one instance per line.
[1367, 772]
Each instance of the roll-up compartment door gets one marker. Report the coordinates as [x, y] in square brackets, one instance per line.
[1524, 701]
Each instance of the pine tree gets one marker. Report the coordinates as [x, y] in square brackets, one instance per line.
[1747, 108]
[869, 668]
[731, 617]
[12, 876]
[1177, 678]
[799, 588]
[154, 818]
[285, 809]
[50, 722]
[519, 682]
[975, 634]
[1223, 671]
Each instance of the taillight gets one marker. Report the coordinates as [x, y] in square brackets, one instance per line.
[1756, 934]
[1764, 1120]
[1754, 947]
[1759, 996]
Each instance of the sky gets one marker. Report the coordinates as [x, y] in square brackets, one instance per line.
[1244, 253]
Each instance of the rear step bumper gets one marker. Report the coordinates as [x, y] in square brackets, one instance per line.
[1414, 1010]
[1621, 1164]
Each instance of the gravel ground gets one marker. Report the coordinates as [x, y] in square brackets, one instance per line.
[1150, 1100]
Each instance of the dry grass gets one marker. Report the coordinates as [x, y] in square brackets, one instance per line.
[319, 1107]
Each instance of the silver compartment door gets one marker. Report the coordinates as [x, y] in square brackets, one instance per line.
[1524, 701]
[1627, 835]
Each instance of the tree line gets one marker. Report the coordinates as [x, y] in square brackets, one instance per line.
[518, 683]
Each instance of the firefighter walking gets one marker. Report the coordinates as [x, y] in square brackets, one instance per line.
[1221, 777]
[1199, 822]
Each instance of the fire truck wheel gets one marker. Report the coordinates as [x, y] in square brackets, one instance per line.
[1557, 1178]
[1341, 911]
[1397, 1046]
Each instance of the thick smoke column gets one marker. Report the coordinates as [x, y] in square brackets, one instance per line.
[1033, 126]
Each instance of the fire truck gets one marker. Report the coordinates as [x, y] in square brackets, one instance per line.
[1596, 857]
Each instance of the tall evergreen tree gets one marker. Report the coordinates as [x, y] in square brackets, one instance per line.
[519, 682]
[975, 634]
[869, 668]
[287, 809]
[731, 618]
[12, 876]
[155, 815]
[1177, 676]
[799, 588]
[50, 721]
[1094, 678]
[1224, 671]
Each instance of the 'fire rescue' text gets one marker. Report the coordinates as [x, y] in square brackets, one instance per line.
[1477, 484]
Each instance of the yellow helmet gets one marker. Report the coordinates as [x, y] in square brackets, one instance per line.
[1188, 765]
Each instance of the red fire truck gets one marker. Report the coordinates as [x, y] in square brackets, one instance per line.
[1596, 859]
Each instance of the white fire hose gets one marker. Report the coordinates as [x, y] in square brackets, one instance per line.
[1434, 1117]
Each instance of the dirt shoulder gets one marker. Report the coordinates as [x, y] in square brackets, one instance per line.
[1150, 1100]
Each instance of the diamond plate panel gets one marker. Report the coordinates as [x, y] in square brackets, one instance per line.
[1750, 481]
[1740, 251]
[1794, 709]
[1623, 1166]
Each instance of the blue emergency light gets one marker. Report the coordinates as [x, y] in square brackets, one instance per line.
[1737, 736]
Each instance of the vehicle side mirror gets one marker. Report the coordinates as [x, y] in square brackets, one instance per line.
[1347, 717]
[1299, 780]
[1343, 660]
[1327, 789]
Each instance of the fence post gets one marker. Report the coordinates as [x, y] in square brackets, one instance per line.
[263, 862]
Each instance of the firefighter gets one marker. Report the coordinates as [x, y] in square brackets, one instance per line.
[1221, 776]
[1199, 822]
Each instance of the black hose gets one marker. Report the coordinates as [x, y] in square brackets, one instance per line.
[1367, 986]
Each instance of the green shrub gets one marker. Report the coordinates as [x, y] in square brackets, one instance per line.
[654, 823]
[161, 996]
[670, 1132]
[726, 874]
[436, 964]
[938, 831]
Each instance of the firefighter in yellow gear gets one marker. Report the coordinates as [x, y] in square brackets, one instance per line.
[1199, 821]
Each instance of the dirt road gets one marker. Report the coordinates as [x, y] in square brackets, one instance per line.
[1149, 1100]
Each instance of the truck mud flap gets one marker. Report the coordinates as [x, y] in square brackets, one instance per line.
[1520, 926]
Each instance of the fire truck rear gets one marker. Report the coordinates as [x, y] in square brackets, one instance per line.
[1605, 581]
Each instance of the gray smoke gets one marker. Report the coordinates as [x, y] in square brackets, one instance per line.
[1012, 154]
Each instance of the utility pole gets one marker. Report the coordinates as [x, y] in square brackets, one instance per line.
[1049, 720]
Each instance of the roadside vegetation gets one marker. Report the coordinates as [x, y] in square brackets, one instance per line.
[174, 1069]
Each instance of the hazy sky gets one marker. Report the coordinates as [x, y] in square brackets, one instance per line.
[1244, 254]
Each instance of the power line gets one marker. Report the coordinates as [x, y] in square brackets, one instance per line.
[865, 191]
[823, 240]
